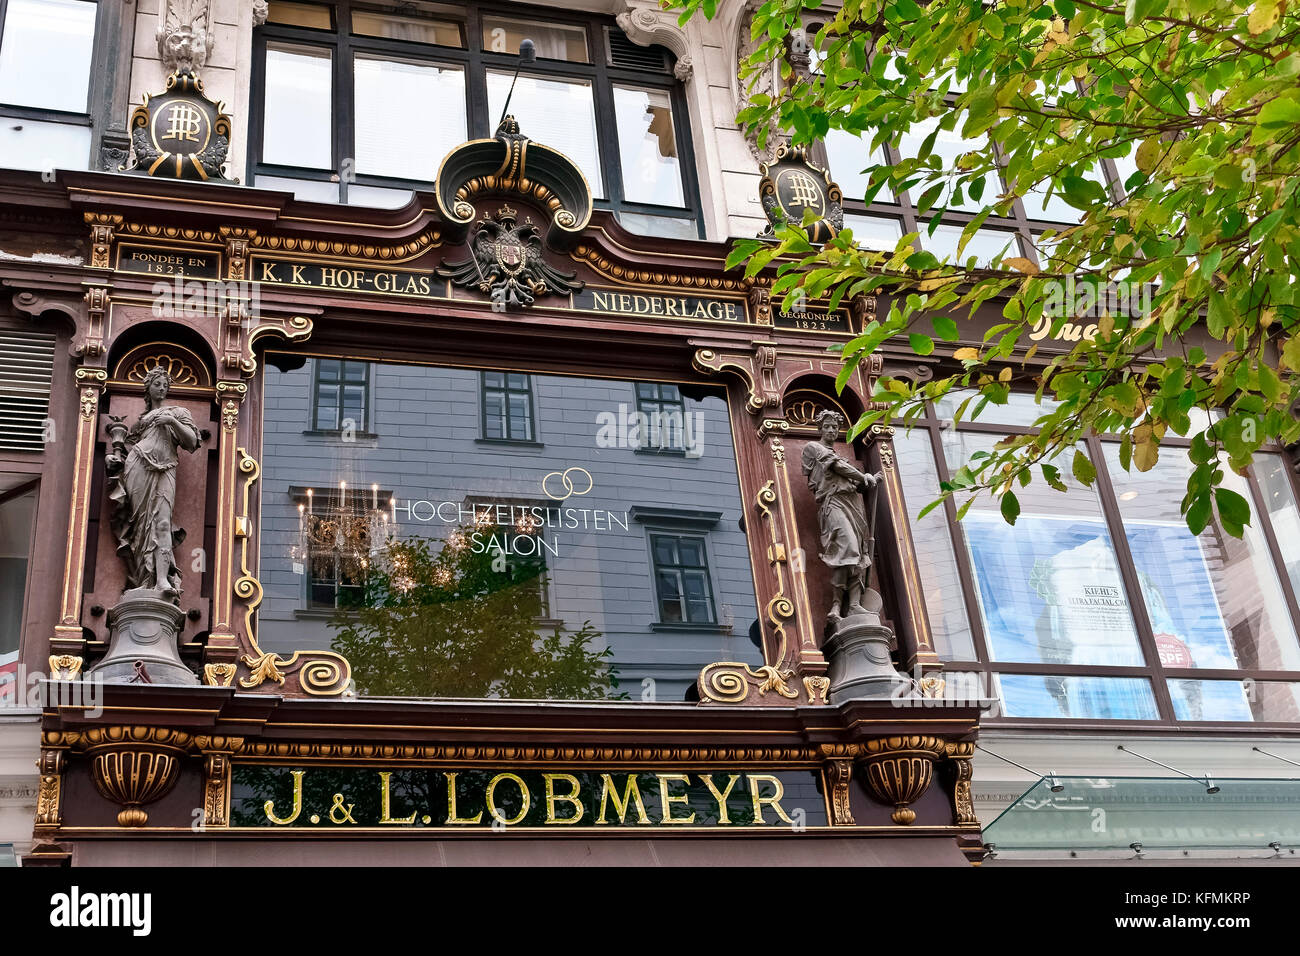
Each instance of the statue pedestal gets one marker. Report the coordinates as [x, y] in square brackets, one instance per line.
[143, 628]
[859, 664]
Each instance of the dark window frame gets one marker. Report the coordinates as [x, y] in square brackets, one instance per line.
[507, 390]
[317, 384]
[659, 404]
[1152, 670]
[476, 63]
[97, 96]
[713, 623]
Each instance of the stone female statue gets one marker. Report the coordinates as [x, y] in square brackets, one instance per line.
[142, 487]
[846, 533]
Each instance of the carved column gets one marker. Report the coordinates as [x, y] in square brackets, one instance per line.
[916, 645]
[963, 805]
[838, 773]
[67, 639]
[102, 226]
[223, 642]
[217, 752]
[51, 765]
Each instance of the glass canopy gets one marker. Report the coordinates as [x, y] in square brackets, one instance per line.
[1113, 813]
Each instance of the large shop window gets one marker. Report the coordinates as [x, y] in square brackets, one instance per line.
[1100, 604]
[46, 48]
[17, 509]
[360, 105]
[442, 565]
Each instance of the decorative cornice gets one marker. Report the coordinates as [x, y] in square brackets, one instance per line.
[610, 269]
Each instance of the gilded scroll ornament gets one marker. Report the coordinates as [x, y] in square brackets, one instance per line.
[734, 682]
[219, 674]
[319, 673]
[818, 688]
[65, 666]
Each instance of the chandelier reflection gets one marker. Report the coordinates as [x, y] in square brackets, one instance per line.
[341, 534]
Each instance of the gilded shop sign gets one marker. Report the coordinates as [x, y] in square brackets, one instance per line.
[341, 798]
[426, 284]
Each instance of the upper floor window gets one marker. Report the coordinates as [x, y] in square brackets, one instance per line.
[360, 104]
[508, 406]
[341, 396]
[46, 48]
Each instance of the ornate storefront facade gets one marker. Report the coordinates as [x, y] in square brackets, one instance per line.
[435, 493]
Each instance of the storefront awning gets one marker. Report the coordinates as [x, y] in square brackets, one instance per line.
[1114, 813]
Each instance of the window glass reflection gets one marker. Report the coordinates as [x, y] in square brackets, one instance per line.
[1049, 587]
[1224, 700]
[847, 156]
[387, 142]
[443, 566]
[298, 114]
[1214, 600]
[647, 146]
[1279, 498]
[15, 548]
[1103, 698]
[554, 41]
[45, 54]
[561, 114]
[940, 579]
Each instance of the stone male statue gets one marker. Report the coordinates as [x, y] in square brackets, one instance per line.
[846, 533]
[142, 486]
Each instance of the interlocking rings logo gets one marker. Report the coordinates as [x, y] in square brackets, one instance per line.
[566, 483]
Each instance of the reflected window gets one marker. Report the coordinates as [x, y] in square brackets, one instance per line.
[340, 395]
[984, 246]
[940, 578]
[662, 419]
[507, 406]
[847, 156]
[553, 41]
[298, 107]
[388, 143]
[681, 570]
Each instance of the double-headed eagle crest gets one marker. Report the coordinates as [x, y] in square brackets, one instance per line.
[507, 263]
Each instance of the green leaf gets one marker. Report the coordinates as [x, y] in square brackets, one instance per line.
[1234, 511]
[945, 327]
[1084, 471]
[921, 344]
[1010, 505]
